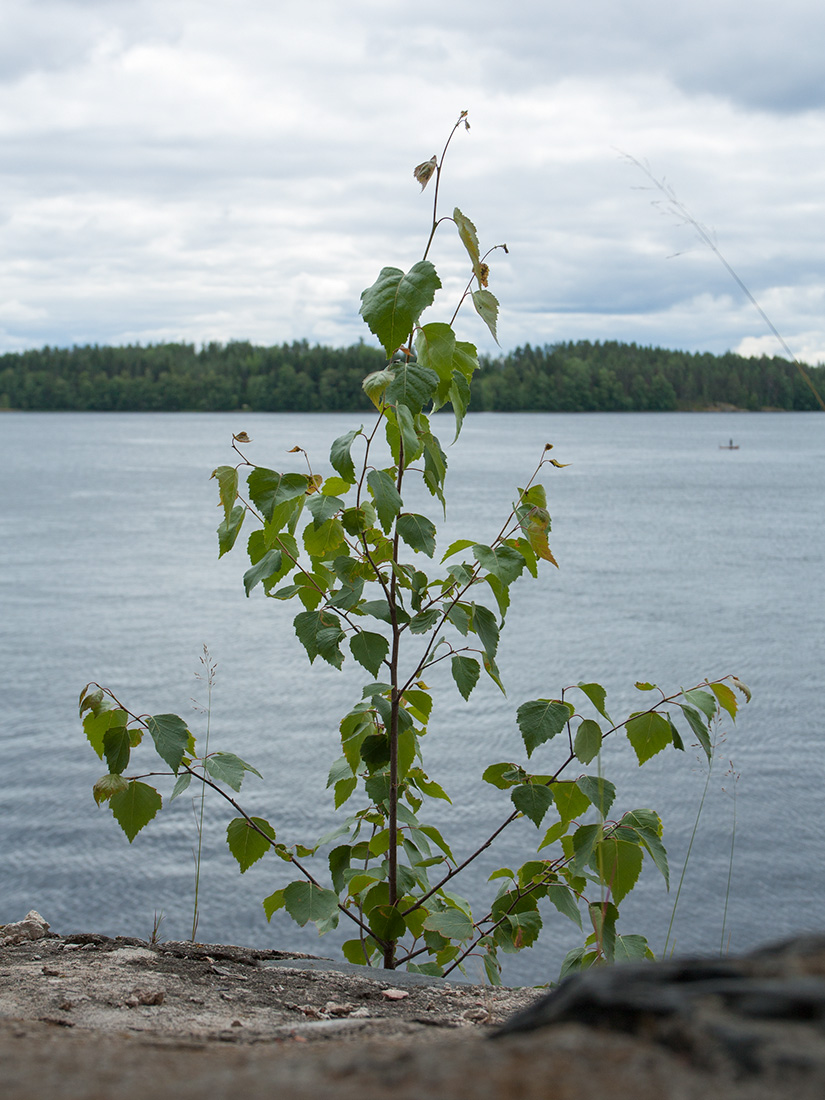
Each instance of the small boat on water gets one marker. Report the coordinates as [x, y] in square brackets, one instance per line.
[731, 446]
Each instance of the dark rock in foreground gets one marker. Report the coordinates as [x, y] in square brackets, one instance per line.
[760, 1016]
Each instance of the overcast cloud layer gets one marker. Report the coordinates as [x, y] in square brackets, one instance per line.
[204, 170]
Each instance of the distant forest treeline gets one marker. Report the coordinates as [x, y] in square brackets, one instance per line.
[569, 377]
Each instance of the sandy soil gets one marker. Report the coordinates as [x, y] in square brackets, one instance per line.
[206, 992]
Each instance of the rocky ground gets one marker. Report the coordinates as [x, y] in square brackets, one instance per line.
[86, 1017]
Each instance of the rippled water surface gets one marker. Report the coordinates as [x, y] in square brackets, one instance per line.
[679, 560]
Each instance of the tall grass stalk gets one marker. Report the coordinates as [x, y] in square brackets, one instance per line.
[209, 677]
[673, 203]
[730, 863]
[690, 848]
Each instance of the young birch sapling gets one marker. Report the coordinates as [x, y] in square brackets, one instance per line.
[359, 564]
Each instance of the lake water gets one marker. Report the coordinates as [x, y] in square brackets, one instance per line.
[678, 560]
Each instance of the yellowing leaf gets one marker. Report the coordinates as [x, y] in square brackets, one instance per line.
[423, 172]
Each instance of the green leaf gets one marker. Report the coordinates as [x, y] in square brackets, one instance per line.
[524, 929]
[387, 499]
[377, 787]
[699, 726]
[702, 700]
[375, 750]
[491, 966]
[340, 457]
[181, 784]
[456, 547]
[460, 619]
[343, 789]
[245, 843]
[229, 529]
[273, 903]
[386, 923]
[502, 872]
[117, 747]
[356, 521]
[326, 541]
[358, 952]
[459, 396]
[678, 743]
[135, 807]
[596, 694]
[268, 489]
[425, 621]
[419, 703]
[576, 960]
[630, 948]
[528, 553]
[487, 308]
[109, 785]
[501, 593]
[418, 532]
[453, 924]
[339, 862]
[565, 901]
[485, 625]
[503, 776]
[408, 435]
[554, 833]
[375, 384]
[533, 801]
[491, 668]
[380, 609]
[412, 387]
[435, 466]
[305, 901]
[469, 238]
[588, 741]
[466, 672]
[395, 301]
[324, 507]
[648, 820]
[540, 720]
[268, 566]
[435, 345]
[226, 767]
[598, 790]
[369, 650]
[570, 801]
[429, 786]
[320, 633]
[335, 486]
[648, 733]
[436, 837]
[650, 840]
[584, 841]
[603, 917]
[96, 723]
[171, 736]
[93, 700]
[227, 479]
[618, 864]
[502, 561]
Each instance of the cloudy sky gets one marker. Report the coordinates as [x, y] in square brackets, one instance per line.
[241, 169]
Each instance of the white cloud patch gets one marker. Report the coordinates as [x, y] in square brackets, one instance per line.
[210, 170]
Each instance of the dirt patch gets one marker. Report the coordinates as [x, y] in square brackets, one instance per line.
[204, 992]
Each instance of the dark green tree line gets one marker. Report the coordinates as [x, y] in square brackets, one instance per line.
[581, 376]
